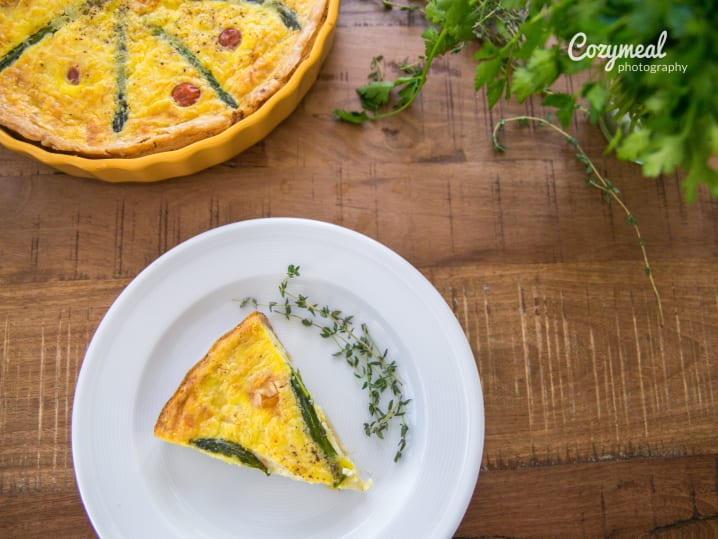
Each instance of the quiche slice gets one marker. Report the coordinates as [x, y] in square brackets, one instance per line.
[126, 78]
[245, 403]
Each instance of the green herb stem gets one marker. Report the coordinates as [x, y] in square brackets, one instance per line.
[418, 81]
[596, 180]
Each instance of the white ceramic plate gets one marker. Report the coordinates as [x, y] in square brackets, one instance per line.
[134, 485]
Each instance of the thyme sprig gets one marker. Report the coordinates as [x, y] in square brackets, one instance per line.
[371, 364]
[593, 178]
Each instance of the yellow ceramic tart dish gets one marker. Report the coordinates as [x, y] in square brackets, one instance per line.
[145, 90]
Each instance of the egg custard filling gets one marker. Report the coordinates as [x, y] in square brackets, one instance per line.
[246, 404]
[125, 78]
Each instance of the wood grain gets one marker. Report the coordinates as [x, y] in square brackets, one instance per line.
[667, 497]
[600, 420]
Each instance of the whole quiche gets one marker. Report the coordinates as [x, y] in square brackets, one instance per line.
[125, 78]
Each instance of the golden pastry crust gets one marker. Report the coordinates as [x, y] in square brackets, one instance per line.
[125, 78]
[245, 404]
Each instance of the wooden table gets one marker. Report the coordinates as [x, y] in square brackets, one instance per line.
[600, 419]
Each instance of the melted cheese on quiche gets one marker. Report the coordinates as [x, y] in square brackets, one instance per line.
[131, 77]
[244, 401]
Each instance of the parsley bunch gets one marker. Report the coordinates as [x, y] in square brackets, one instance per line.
[664, 120]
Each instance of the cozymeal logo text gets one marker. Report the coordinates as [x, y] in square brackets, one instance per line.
[613, 52]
